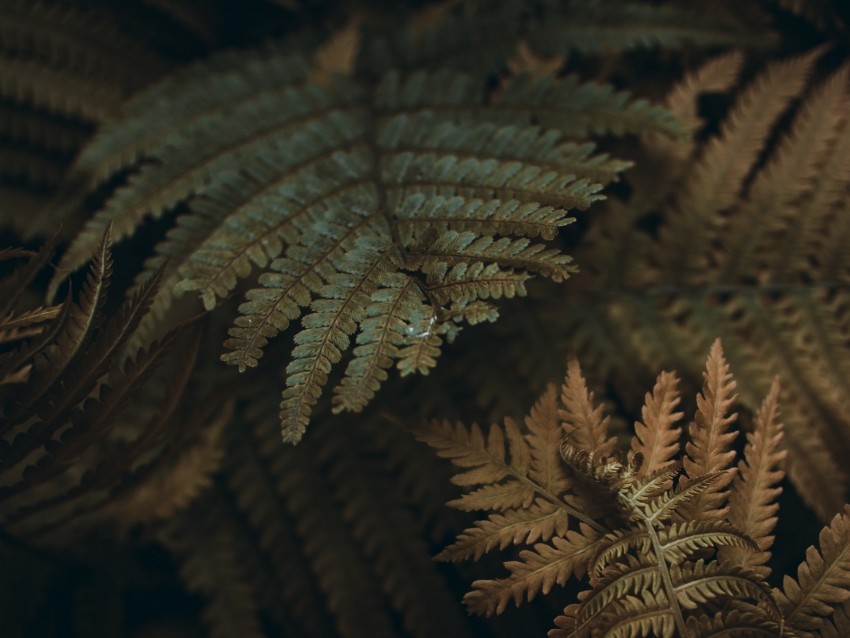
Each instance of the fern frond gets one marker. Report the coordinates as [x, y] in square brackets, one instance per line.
[463, 283]
[656, 565]
[714, 183]
[666, 505]
[204, 147]
[80, 378]
[56, 92]
[185, 99]
[647, 613]
[342, 305]
[536, 572]
[752, 502]
[217, 565]
[584, 424]
[457, 247]
[28, 320]
[823, 579]
[286, 169]
[581, 108]
[736, 623]
[332, 553]
[718, 75]
[710, 448]
[390, 541]
[77, 39]
[481, 40]
[84, 318]
[656, 438]
[789, 174]
[539, 521]
[172, 486]
[545, 434]
[329, 511]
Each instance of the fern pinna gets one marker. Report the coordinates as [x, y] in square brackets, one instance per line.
[394, 199]
[672, 544]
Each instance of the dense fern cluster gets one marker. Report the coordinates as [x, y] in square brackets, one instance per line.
[673, 544]
[627, 180]
[79, 448]
[394, 204]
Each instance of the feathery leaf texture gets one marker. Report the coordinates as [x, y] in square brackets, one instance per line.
[387, 208]
[749, 246]
[823, 579]
[65, 68]
[298, 524]
[661, 547]
[64, 470]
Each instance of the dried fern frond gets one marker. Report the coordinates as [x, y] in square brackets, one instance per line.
[823, 579]
[663, 552]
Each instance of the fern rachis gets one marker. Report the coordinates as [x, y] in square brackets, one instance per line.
[656, 564]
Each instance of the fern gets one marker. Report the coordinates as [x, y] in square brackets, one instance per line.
[747, 246]
[297, 526]
[391, 206]
[68, 401]
[662, 545]
[65, 69]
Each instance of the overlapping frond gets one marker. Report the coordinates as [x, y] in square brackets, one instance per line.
[80, 449]
[288, 158]
[752, 503]
[65, 68]
[750, 250]
[663, 554]
[309, 522]
[823, 580]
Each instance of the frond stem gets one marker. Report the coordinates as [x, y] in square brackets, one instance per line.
[669, 589]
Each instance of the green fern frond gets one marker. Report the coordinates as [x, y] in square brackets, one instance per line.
[287, 172]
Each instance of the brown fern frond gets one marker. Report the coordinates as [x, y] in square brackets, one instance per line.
[656, 438]
[584, 424]
[823, 579]
[717, 178]
[710, 447]
[752, 502]
[536, 571]
[663, 554]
